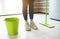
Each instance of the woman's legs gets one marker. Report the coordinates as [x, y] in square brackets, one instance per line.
[25, 4]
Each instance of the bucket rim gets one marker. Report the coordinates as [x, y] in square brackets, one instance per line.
[16, 18]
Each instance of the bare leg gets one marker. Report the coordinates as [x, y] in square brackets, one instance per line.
[31, 12]
[25, 3]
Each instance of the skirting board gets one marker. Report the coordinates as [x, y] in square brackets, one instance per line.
[55, 19]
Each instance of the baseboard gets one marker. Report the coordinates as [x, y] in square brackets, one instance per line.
[21, 14]
[55, 19]
[9, 14]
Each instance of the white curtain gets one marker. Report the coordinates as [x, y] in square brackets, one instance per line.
[10, 6]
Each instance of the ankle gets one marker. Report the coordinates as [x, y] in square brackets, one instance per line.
[26, 20]
[31, 20]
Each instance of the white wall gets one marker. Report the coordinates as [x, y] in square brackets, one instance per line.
[54, 9]
[0, 7]
[11, 6]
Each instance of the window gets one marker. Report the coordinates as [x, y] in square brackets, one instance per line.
[10, 7]
[0, 7]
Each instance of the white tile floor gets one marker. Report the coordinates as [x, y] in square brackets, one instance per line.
[42, 33]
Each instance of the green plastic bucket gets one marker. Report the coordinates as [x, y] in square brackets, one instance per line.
[12, 25]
